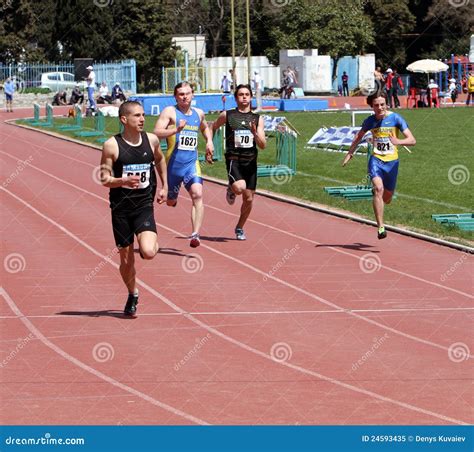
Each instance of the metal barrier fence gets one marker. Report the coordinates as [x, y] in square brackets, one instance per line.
[196, 76]
[28, 75]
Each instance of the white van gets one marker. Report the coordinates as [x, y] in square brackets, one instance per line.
[60, 81]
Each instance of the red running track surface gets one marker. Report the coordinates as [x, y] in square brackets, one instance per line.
[312, 320]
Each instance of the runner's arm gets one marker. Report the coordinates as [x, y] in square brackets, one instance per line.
[109, 156]
[166, 118]
[353, 146]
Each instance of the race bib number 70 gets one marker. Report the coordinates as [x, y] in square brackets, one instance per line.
[243, 139]
[142, 169]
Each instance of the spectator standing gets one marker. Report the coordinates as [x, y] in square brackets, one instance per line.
[91, 87]
[397, 83]
[470, 88]
[345, 84]
[9, 89]
[226, 84]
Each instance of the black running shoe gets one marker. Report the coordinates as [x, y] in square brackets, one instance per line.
[131, 306]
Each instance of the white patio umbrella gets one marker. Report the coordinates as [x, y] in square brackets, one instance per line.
[427, 66]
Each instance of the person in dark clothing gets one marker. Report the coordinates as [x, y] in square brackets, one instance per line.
[60, 98]
[244, 133]
[127, 168]
[345, 84]
[117, 93]
[77, 97]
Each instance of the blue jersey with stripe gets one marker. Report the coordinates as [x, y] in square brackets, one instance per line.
[182, 147]
[382, 129]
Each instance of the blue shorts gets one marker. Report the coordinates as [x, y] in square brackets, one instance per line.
[9, 97]
[387, 171]
[179, 173]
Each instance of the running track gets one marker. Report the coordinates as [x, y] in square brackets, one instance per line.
[311, 321]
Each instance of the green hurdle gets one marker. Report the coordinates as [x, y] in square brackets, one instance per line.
[351, 192]
[285, 157]
[77, 123]
[99, 127]
[463, 221]
[105, 138]
[218, 141]
[36, 118]
[49, 118]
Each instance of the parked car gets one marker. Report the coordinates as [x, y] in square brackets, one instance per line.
[57, 81]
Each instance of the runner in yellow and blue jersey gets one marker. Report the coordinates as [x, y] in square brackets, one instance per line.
[385, 126]
[180, 125]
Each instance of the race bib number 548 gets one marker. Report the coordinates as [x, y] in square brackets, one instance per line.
[142, 170]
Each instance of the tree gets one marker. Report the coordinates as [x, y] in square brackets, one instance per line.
[17, 30]
[392, 20]
[335, 28]
[455, 22]
[142, 31]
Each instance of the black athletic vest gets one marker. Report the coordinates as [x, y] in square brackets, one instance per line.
[134, 160]
[240, 143]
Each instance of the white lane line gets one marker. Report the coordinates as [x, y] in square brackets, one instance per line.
[253, 313]
[231, 339]
[90, 369]
[296, 236]
[250, 267]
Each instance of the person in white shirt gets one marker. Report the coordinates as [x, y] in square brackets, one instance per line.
[226, 84]
[91, 87]
[104, 96]
[432, 84]
[433, 99]
[453, 90]
[257, 80]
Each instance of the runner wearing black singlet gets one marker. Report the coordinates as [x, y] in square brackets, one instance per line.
[128, 169]
[244, 133]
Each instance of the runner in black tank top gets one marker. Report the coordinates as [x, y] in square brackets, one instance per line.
[244, 132]
[128, 169]
[140, 161]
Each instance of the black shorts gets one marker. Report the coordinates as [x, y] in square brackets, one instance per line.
[242, 170]
[126, 224]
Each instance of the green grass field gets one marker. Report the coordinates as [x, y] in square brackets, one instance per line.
[445, 139]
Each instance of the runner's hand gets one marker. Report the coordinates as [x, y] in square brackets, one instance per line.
[130, 181]
[346, 159]
[161, 198]
[180, 126]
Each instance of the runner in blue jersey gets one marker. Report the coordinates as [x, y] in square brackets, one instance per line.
[180, 125]
[383, 163]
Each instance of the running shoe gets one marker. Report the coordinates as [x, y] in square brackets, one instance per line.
[230, 196]
[131, 306]
[195, 240]
[382, 233]
[240, 234]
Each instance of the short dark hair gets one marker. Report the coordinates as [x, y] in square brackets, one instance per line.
[180, 85]
[247, 86]
[127, 106]
[372, 97]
